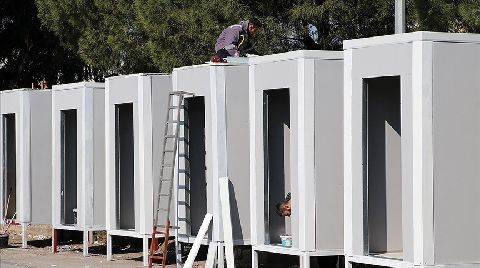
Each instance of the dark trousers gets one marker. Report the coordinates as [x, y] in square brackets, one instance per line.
[223, 53]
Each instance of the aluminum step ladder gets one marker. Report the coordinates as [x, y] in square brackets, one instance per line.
[166, 180]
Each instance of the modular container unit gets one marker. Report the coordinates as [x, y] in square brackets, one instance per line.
[296, 146]
[412, 150]
[135, 113]
[78, 166]
[215, 144]
[26, 157]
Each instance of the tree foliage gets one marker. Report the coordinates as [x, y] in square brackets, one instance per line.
[106, 34]
[183, 32]
[29, 53]
[127, 36]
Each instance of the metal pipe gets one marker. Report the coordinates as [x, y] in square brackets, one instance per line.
[400, 16]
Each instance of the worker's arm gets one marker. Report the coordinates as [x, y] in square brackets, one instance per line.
[245, 46]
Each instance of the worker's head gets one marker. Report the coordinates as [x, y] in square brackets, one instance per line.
[284, 209]
[253, 25]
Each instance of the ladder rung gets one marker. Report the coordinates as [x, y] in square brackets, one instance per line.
[162, 209]
[166, 180]
[181, 93]
[168, 151]
[155, 257]
[169, 136]
[183, 203]
[176, 107]
[164, 194]
[167, 165]
[171, 227]
[185, 220]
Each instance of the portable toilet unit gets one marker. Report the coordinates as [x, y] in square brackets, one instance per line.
[296, 147]
[214, 144]
[412, 150]
[135, 113]
[26, 157]
[78, 166]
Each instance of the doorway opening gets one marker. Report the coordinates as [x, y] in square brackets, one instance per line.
[276, 127]
[68, 147]
[9, 166]
[195, 161]
[382, 159]
[124, 167]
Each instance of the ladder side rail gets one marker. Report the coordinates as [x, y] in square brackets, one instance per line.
[175, 146]
[155, 220]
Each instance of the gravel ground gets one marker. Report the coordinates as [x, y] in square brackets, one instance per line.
[39, 251]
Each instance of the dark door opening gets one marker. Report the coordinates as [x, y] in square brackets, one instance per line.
[382, 157]
[277, 161]
[9, 165]
[195, 160]
[124, 166]
[68, 149]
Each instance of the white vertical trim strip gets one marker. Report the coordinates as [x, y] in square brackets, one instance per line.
[255, 203]
[215, 155]
[25, 163]
[422, 78]
[221, 99]
[145, 153]
[109, 182]
[428, 153]
[140, 175]
[347, 151]
[55, 189]
[297, 158]
[305, 161]
[417, 152]
[221, 113]
[87, 158]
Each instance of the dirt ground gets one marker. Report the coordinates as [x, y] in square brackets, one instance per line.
[39, 251]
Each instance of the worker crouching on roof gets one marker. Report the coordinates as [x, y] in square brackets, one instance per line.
[235, 41]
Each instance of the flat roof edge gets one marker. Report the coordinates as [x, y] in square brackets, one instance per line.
[214, 64]
[411, 37]
[24, 89]
[298, 54]
[79, 85]
[136, 75]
